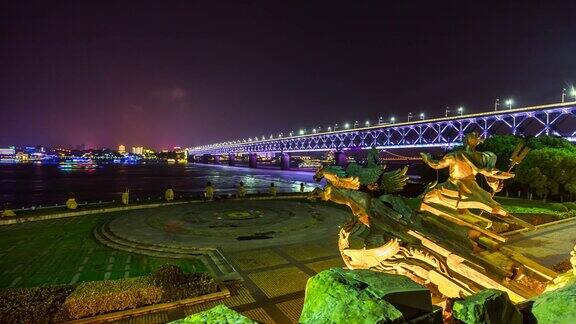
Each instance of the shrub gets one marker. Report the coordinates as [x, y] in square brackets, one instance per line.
[99, 297]
[178, 285]
[31, 305]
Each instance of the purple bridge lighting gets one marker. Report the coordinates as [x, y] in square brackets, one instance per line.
[552, 119]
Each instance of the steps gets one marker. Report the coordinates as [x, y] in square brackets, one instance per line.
[214, 260]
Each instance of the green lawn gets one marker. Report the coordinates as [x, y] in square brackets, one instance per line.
[62, 251]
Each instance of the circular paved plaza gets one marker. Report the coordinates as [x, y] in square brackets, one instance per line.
[230, 225]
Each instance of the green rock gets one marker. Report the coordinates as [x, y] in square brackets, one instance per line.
[557, 306]
[363, 296]
[219, 314]
[488, 306]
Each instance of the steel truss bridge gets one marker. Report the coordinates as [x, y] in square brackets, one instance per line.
[552, 119]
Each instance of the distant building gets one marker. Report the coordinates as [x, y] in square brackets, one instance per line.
[121, 149]
[138, 150]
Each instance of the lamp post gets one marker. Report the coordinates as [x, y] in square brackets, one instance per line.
[392, 119]
[563, 94]
[409, 116]
[447, 111]
[422, 116]
[355, 124]
[509, 103]
[346, 126]
[496, 104]
[379, 120]
[367, 123]
[461, 110]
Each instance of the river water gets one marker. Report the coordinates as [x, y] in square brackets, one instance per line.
[25, 185]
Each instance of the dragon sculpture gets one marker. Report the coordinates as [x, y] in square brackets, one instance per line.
[444, 249]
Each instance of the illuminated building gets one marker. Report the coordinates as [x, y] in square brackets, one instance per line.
[138, 150]
[121, 149]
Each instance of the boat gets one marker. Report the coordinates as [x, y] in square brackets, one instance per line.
[78, 163]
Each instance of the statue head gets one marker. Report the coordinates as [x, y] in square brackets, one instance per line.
[471, 140]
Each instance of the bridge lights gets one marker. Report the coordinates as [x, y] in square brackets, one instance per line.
[291, 134]
[447, 111]
[329, 128]
[573, 93]
[409, 116]
[461, 110]
[355, 124]
[367, 123]
[314, 130]
[509, 103]
[302, 132]
[392, 119]
[346, 126]
[496, 104]
[422, 116]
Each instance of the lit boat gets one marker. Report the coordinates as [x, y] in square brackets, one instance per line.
[78, 163]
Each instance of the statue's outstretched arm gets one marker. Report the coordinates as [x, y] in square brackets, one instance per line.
[441, 164]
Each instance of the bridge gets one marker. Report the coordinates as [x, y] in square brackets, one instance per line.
[550, 119]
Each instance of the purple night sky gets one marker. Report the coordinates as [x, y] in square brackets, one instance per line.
[165, 73]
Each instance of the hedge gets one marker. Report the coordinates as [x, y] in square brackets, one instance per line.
[62, 303]
[99, 297]
[31, 305]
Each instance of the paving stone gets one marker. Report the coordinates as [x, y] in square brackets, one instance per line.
[326, 264]
[292, 308]
[255, 259]
[274, 283]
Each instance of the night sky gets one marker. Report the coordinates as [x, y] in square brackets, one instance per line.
[165, 73]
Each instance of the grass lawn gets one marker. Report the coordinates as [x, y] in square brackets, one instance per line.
[63, 251]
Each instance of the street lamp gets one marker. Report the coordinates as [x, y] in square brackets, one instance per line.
[422, 116]
[302, 132]
[509, 103]
[355, 124]
[367, 123]
[329, 128]
[573, 93]
[335, 127]
[392, 119]
[314, 130]
[379, 120]
[460, 110]
[346, 126]
[409, 116]
[290, 134]
[563, 94]
[496, 104]
[447, 111]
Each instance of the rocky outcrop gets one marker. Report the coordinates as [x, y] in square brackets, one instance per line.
[488, 306]
[364, 296]
[557, 306]
[219, 314]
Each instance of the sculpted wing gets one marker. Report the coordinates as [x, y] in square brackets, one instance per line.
[394, 181]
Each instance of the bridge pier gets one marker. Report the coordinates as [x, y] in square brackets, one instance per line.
[231, 159]
[206, 158]
[284, 161]
[216, 159]
[340, 159]
[253, 160]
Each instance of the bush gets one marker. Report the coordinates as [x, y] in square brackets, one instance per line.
[178, 285]
[99, 297]
[31, 305]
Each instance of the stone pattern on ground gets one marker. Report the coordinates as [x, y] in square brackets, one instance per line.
[219, 314]
[488, 306]
[363, 296]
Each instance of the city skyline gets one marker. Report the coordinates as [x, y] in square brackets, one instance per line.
[189, 73]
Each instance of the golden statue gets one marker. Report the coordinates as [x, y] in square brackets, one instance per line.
[461, 192]
[169, 194]
[71, 203]
[126, 197]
